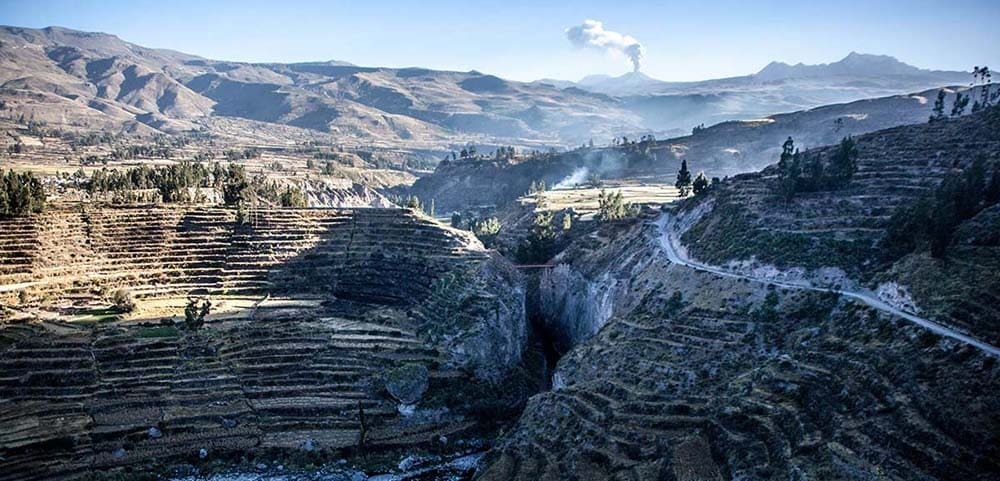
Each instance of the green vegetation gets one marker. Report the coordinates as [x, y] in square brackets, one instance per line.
[643, 147]
[731, 232]
[683, 183]
[413, 202]
[175, 182]
[700, 184]
[123, 301]
[235, 188]
[195, 312]
[157, 332]
[806, 172]
[567, 220]
[245, 154]
[293, 197]
[768, 310]
[487, 230]
[537, 187]
[938, 110]
[21, 193]
[930, 222]
[958, 107]
[982, 77]
[540, 244]
[612, 206]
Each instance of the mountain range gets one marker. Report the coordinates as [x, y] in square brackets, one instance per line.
[86, 80]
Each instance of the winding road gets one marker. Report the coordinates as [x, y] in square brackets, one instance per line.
[676, 255]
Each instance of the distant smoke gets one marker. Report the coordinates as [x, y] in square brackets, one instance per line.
[600, 164]
[591, 34]
[578, 177]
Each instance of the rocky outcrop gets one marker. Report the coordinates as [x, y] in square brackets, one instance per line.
[573, 307]
[590, 285]
[477, 317]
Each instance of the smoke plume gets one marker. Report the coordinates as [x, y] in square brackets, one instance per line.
[591, 34]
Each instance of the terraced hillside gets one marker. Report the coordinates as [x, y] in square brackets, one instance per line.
[340, 300]
[686, 375]
[836, 234]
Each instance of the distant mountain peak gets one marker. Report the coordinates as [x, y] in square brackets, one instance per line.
[856, 64]
[625, 84]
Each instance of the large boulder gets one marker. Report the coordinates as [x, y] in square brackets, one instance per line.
[407, 383]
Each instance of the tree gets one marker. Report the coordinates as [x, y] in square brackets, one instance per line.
[789, 170]
[540, 244]
[293, 197]
[931, 222]
[958, 107]
[567, 220]
[236, 188]
[413, 202]
[683, 183]
[195, 312]
[456, 220]
[984, 78]
[487, 231]
[768, 310]
[123, 301]
[21, 193]
[700, 183]
[844, 162]
[813, 174]
[612, 206]
[938, 110]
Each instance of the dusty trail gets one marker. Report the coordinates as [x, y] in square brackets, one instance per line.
[671, 247]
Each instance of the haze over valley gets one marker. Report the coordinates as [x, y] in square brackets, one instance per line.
[445, 260]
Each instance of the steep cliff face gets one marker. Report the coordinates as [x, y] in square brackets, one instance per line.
[574, 307]
[477, 317]
[593, 282]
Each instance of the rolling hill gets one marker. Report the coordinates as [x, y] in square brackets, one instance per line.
[85, 80]
[96, 80]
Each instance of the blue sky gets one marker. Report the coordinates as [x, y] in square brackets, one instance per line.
[526, 40]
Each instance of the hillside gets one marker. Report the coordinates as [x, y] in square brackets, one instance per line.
[720, 150]
[96, 80]
[836, 233]
[83, 80]
[307, 345]
[669, 107]
[734, 147]
[762, 368]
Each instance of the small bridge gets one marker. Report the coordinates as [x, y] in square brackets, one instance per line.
[534, 266]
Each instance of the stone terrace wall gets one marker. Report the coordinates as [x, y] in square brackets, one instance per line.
[75, 397]
[384, 255]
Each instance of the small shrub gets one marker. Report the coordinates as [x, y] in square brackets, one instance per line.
[123, 300]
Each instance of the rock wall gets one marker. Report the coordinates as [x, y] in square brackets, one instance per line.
[573, 307]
